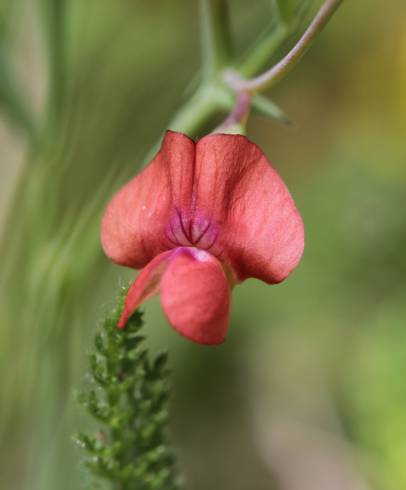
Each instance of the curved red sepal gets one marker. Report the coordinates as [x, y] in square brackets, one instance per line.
[145, 285]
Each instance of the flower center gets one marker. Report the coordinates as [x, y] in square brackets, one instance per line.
[192, 231]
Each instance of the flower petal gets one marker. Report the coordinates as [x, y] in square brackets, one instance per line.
[134, 223]
[195, 296]
[220, 195]
[145, 285]
[262, 232]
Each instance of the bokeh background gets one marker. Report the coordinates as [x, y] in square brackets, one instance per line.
[309, 391]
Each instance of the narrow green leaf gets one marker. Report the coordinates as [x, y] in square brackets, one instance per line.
[215, 36]
[55, 30]
[286, 18]
[12, 101]
[269, 109]
[290, 11]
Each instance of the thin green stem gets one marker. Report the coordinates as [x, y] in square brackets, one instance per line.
[263, 50]
[215, 36]
[277, 72]
[196, 112]
[54, 12]
[194, 115]
[236, 121]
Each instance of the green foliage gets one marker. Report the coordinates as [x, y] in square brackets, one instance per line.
[128, 395]
[13, 103]
[289, 11]
[267, 108]
[54, 13]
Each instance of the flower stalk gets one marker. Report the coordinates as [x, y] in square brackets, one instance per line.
[236, 121]
[270, 77]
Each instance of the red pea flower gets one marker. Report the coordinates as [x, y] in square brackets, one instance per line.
[200, 218]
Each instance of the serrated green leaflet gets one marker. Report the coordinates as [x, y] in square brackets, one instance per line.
[127, 394]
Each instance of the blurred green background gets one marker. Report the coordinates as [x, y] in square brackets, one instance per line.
[309, 391]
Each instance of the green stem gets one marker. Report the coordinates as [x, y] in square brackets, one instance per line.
[197, 112]
[235, 122]
[277, 72]
[263, 50]
[54, 13]
[215, 36]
